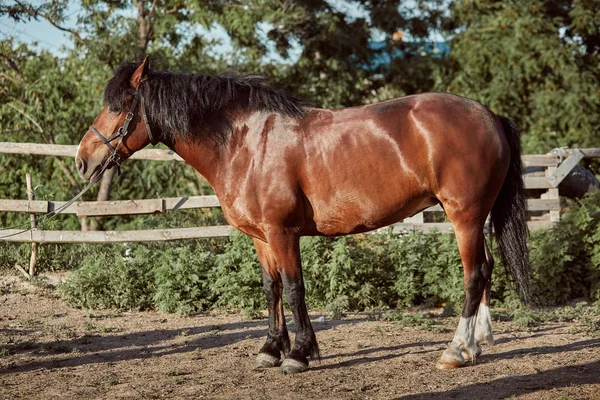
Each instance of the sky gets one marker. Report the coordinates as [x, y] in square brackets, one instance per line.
[42, 32]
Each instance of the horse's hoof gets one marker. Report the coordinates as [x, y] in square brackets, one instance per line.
[264, 360]
[448, 364]
[451, 358]
[291, 366]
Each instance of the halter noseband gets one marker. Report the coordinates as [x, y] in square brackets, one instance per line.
[122, 132]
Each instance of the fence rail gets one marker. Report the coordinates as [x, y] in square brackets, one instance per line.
[159, 206]
[547, 207]
[154, 235]
[61, 150]
[111, 207]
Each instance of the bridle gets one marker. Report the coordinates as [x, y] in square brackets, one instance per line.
[123, 131]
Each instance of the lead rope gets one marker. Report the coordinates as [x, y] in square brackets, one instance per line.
[54, 213]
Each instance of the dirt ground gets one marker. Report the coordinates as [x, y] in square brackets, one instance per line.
[51, 351]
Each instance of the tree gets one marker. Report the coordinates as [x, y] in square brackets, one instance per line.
[536, 62]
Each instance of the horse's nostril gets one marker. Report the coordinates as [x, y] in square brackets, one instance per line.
[80, 165]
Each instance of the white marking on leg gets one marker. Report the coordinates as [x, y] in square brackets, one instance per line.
[462, 347]
[483, 329]
[464, 338]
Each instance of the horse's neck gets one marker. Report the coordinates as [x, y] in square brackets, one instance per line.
[212, 160]
[203, 155]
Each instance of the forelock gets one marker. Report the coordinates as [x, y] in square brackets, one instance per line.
[118, 87]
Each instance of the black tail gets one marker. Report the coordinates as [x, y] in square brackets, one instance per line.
[509, 215]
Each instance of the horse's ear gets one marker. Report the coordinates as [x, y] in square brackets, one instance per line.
[140, 74]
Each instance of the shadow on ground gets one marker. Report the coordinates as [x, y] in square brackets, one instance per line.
[517, 385]
[92, 349]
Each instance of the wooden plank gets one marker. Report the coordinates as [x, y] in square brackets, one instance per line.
[591, 152]
[156, 155]
[552, 194]
[117, 236]
[532, 205]
[415, 219]
[540, 160]
[543, 204]
[38, 149]
[146, 206]
[152, 206]
[182, 203]
[567, 166]
[435, 208]
[537, 182]
[544, 224]
[35, 206]
[62, 150]
[402, 227]
[446, 227]
[34, 246]
[103, 208]
[112, 207]
[194, 233]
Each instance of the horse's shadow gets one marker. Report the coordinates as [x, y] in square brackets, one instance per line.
[517, 385]
[401, 350]
[96, 348]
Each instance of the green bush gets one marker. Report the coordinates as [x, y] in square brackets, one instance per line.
[565, 260]
[111, 280]
[181, 282]
[51, 257]
[235, 279]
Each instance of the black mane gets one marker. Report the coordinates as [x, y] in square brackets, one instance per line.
[198, 105]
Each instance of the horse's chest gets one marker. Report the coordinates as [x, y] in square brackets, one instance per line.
[243, 220]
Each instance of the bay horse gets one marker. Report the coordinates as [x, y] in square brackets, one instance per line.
[282, 170]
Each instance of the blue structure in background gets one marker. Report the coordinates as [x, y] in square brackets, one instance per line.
[384, 56]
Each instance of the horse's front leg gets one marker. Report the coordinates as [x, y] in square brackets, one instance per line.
[278, 340]
[286, 249]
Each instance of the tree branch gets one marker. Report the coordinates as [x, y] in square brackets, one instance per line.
[13, 66]
[49, 140]
[29, 117]
[143, 33]
[36, 13]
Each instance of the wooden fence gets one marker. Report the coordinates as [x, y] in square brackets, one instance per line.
[545, 208]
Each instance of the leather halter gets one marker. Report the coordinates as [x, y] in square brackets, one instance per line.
[122, 132]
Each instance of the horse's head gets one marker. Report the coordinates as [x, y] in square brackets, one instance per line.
[120, 129]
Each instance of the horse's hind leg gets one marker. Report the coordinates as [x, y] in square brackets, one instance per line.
[477, 273]
[483, 328]
[278, 340]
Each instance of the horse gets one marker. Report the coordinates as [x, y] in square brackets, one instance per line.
[282, 170]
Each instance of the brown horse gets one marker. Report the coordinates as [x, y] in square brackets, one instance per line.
[282, 170]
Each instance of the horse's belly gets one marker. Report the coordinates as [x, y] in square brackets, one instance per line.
[362, 215]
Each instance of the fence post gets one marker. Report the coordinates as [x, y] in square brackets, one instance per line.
[34, 245]
[552, 194]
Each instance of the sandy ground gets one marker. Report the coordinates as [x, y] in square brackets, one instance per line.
[51, 351]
